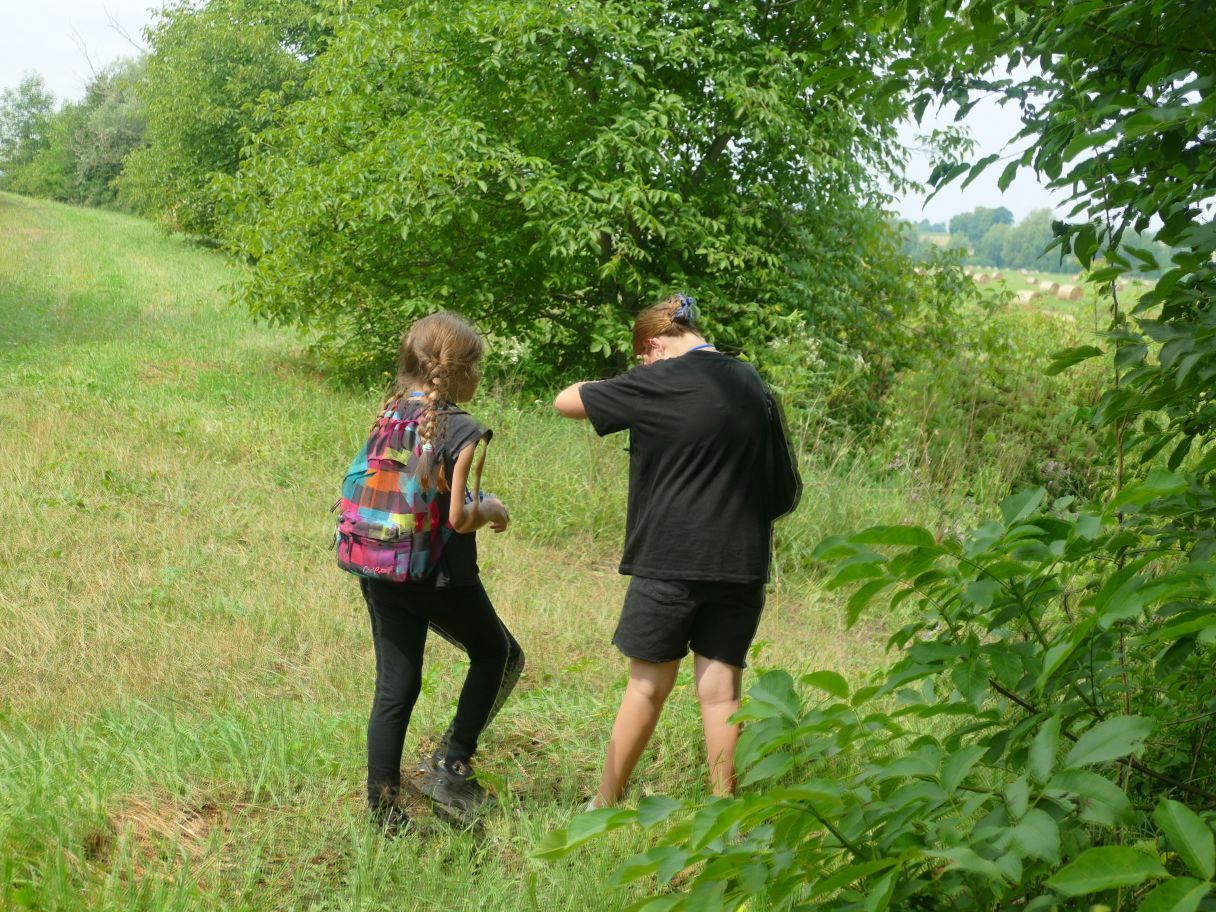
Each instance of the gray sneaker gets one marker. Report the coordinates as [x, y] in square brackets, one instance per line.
[454, 790]
[429, 763]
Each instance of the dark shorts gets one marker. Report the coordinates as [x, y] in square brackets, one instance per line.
[661, 619]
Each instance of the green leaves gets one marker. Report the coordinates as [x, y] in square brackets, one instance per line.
[1066, 358]
[1110, 740]
[1105, 868]
[584, 827]
[1043, 750]
[1159, 483]
[1178, 894]
[548, 171]
[1189, 836]
[1037, 835]
[1099, 800]
[654, 809]
[774, 693]
[828, 681]
[1018, 506]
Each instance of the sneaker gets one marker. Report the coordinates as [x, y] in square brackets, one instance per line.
[428, 764]
[454, 790]
[391, 820]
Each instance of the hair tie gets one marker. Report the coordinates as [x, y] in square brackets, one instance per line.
[686, 313]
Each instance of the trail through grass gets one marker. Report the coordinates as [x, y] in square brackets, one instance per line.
[185, 675]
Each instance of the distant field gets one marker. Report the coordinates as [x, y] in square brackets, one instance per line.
[1089, 304]
[186, 675]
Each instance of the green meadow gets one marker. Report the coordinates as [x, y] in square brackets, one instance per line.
[185, 674]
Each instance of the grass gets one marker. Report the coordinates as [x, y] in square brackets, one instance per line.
[185, 674]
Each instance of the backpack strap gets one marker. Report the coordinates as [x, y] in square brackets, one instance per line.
[480, 464]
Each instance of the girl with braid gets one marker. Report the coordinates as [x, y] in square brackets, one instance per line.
[437, 368]
[698, 528]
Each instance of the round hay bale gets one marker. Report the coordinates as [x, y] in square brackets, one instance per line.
[1070, 292]
[1048, 287]
[982, 279]
[1028, 296]
[998, 276]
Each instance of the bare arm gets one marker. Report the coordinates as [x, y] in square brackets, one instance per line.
[469, 517]
[569, 402]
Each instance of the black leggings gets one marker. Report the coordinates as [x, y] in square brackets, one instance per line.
[401, 616]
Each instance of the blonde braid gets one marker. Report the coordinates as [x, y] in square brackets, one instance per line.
[433, 426]
[438, 354]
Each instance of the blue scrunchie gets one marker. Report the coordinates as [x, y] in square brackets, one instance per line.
[686, 313]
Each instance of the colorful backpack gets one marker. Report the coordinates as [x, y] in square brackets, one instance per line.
[390, 527]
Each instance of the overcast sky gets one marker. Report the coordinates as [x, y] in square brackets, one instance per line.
[53, 37]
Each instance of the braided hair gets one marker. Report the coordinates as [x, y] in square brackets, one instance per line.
[439, 355]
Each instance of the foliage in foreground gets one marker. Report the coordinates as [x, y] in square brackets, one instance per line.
[921, 789]
[1044, 738]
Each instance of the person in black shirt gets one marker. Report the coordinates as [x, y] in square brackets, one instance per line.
[698, 528]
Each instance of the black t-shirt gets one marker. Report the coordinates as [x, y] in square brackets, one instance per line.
[458, 563]
[698, 432]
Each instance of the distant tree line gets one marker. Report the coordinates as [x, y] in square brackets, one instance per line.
[74, 152]
[990, 237]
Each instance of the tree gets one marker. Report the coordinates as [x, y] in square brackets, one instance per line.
[113, 127]
[1027, 243]
[991, 248]
[975, 224]
[547, 170]
[214, 74]
[25, 115]
[81, 147]
[50, 171]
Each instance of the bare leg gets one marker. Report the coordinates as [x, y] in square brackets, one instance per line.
[647, 691]
[718, 689]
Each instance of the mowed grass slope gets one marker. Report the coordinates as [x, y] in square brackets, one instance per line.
[185, 675]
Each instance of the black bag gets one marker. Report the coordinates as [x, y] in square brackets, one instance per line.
[785, 484]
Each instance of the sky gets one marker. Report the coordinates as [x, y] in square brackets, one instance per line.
[52, 36]
[65, 40]
[993, 128]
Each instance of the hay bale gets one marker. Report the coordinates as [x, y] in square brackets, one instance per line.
[998, 276]
[1047, 287]
[1070, 292]
[982, 279]
[1029, 296]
